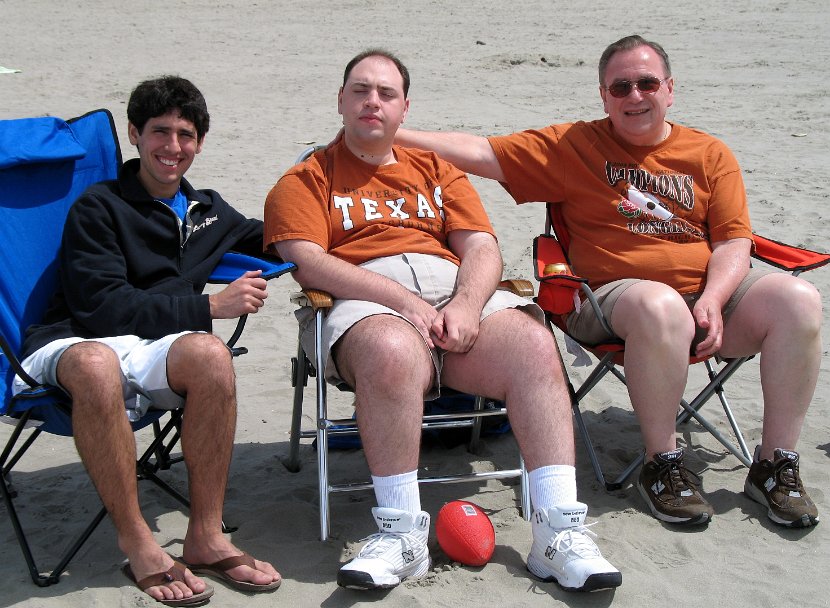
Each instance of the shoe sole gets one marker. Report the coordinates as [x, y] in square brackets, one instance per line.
[698, 520]
[363, 581]
[595, 582]
[805, 521]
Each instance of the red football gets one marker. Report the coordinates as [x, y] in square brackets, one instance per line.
[465, 533]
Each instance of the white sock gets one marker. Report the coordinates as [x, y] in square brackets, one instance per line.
[398, 492]
[552, 485]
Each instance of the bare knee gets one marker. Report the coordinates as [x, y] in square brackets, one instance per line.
[199, 358]
[385, 353]
[779, 302]
[654, 312]
[88, 364]
[803, 302]
[532, 346]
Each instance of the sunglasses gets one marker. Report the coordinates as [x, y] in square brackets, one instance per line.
[647, 84]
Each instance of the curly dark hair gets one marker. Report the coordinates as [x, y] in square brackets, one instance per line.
[159, 96]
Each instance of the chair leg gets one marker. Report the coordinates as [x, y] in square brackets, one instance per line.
[299, 379]
[524, 489]
[715, 385]
[727, 410]
[54, 576]
[475, 430]
[50, 578]
[689, 410]
[603, 367]
[322, 427]
[7, 467]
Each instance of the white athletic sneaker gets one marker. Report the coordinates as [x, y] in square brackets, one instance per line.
[563, 551]
[397, 551]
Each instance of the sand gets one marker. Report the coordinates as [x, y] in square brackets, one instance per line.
[751, 73]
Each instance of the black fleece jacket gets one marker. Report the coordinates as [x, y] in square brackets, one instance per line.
[127, 268]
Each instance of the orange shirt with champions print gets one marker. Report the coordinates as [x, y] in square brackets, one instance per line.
[585, 167]
[358, 212]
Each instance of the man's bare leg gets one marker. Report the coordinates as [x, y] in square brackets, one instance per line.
[199, 366]
[780, 317]
[515, 359]
[658, 329]
[387, 362]
[91, 373]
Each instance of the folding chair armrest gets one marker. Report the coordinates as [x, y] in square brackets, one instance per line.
[233, 265]
[315, 298]
[520, 287]
[14, 362]
[551, 264]
[787, 257]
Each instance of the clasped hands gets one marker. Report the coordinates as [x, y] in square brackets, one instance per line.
[454, 328]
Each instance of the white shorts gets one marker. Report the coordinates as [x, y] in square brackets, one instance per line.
[143, 370]
[430, 277]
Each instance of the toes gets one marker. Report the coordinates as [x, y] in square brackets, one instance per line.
[263, 573]
[269, 571]
[195, 584]
[175, 590]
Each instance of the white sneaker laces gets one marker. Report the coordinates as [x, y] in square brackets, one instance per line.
[577, 540]
[379, 542]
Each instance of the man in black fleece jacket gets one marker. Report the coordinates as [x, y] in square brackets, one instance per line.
[130, 327]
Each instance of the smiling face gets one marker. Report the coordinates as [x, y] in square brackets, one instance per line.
[639, 118]
[167, 146]
[373, 106]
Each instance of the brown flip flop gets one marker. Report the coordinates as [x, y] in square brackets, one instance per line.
[220, 569]
[175, 573]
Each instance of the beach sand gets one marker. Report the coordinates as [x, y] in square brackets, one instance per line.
[751, 73]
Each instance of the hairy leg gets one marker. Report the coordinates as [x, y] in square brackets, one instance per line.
[389, 366]
[91, 373]
[199, 366]
[515, 359]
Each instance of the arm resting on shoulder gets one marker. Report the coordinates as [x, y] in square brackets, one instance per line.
[470, 153]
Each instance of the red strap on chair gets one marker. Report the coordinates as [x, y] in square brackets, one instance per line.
[787, 257]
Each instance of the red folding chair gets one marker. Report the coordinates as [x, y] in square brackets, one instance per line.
[558, 290]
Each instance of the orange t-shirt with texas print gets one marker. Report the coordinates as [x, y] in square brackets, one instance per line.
[584, 167]
[358, 212]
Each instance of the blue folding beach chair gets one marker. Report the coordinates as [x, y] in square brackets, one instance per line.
[45, 164]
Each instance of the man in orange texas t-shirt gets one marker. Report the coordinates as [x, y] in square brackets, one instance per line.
[665, 273]
[400, 239]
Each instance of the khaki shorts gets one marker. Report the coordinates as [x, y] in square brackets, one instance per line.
[585, 327]
[429, 277]
[143, 370]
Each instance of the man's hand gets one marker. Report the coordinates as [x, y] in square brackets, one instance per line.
[244, 296]
[422, 315]
[455, 327]
[707, 315]
[317, 269]
[727, 268]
